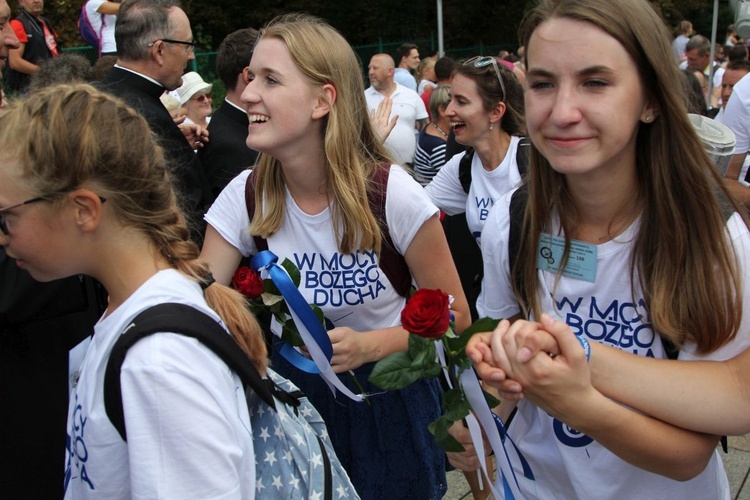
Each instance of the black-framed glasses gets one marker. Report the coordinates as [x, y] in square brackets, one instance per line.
[44, 197]
[483, 62]
[190, 45]
[3, 226]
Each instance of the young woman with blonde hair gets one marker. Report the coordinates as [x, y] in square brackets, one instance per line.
[319, 160]
[85, 189]
[630, 237]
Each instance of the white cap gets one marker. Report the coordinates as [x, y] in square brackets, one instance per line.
[192, 83]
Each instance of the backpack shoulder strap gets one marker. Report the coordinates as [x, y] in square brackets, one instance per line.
[185, 320]
[391, 261]
[260, 243]
[522, 156]
[518, 202]
[464, 170]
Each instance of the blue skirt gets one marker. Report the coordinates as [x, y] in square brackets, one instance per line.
[384, 446]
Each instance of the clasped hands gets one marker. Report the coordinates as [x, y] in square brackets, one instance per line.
[541, 361]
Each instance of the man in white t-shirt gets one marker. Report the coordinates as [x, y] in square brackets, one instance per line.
[736, 116]
[412, 114]
[102, 15]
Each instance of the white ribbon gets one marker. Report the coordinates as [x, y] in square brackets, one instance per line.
[326, 371]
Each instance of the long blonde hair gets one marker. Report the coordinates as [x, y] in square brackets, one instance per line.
[352, 149]
[688, 270]
[67, 135]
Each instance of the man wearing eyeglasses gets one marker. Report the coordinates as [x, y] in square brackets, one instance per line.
[154, 44]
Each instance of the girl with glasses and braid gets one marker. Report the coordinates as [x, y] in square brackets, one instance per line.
[85, 189]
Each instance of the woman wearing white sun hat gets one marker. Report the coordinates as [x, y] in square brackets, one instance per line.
[195, 97]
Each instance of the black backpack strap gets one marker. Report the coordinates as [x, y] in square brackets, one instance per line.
[260, 243]
[392, 262]
[184, 320]
[464, 170]
[522, 156]
[518, 202]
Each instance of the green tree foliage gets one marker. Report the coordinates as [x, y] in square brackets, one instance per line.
[466, 23]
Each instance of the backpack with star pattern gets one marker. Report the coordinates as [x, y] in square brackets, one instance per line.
[294, 457]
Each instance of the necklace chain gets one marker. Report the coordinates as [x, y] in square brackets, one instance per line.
[439, 129]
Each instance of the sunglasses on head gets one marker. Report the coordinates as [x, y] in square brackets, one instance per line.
[483, 62]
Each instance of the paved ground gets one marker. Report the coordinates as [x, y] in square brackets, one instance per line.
[736, 463]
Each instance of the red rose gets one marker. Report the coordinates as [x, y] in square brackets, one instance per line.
[247, 282]
[426, 314]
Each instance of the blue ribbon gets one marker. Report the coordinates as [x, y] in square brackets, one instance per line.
[268, 261]
[527, 472]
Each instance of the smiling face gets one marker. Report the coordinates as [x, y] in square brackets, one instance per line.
[469, 120]
[199, 106]
[584, 98]
[728, 81]
[281, 103]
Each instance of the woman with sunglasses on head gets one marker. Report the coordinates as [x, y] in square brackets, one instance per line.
[320, 160]
[486, 115]
[643, 250]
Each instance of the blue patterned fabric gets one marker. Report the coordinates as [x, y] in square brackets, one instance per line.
[288, 458]
[384, 446]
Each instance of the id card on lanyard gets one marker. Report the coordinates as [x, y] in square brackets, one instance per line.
[581, 262]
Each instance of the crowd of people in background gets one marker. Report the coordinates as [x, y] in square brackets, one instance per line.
[124, 185]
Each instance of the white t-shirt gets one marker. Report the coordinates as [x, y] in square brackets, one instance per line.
[188, 427]
[351, 289]
[718, 74]
[402, 141]
[96, 19]
[568, 464]
[737, 115]
[446, 191]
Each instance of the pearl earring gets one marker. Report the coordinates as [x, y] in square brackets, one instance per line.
[491, 125]
[648, 119]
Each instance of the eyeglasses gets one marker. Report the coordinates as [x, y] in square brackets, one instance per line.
[45, 197]
[483, 62]
[3, 226]
[203, 97]
[190, 45]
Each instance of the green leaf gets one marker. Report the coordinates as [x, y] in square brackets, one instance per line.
[491, 400]
[439, 429]
[481, 325]
[423, 356]
[290, 334]
[455, 404]
[417, 343]
[394, 372]
[293, 271]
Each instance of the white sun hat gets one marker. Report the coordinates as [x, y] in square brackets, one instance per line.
[192, 83]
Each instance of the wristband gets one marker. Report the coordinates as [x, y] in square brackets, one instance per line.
[586, 347]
